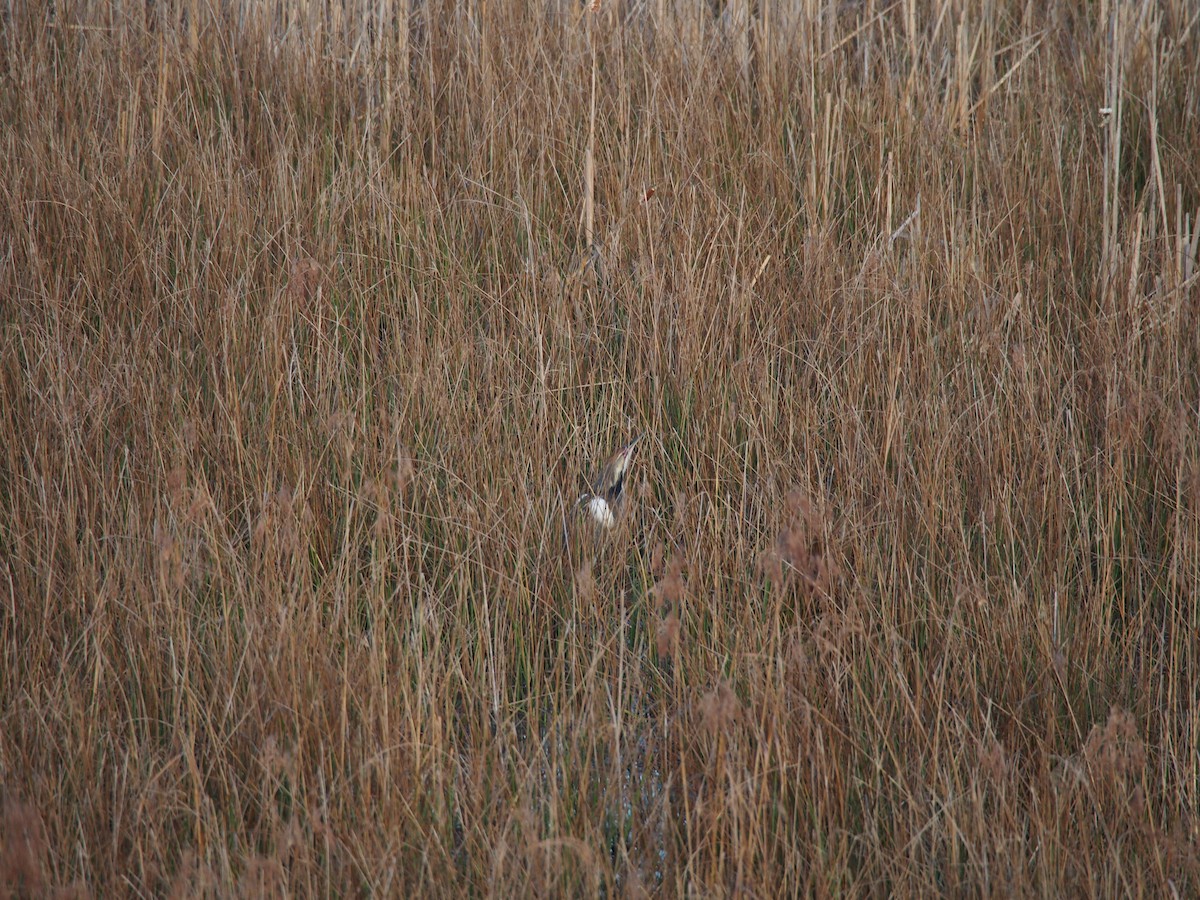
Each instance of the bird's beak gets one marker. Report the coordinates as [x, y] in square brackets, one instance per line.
[626, 454]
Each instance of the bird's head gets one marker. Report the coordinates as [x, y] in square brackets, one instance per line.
[612, 476]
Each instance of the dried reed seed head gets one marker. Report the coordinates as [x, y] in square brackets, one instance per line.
[262, 876]
[806, 513]
[1137, 802]
[190, 435]
[403, 473]
[293, 838]
[800, 548]
[670, 588]
[835, 630]
[799, 505]
[770, 566]
[165, 541]
[643, 489]
[799, 665]
[993, 761]
[276, 761]
[797, 647]
[585, 581]
[1116, 749]
[1019, 362]
[382, 526]
[337, 422]
[1068, 775]
[1059, 660]
[281, 519]
[375, 492]
[1183, 847]
[720, 708]
[304, 278]
[987, 513]
[22, 848]
[657, 556]
[681, 512]
[635, 885]
[666, 638]
[1177, 426]
[971, 594]
[552, 281]
[175, 482]
[261, 525]
[806, 557]
[527, 823]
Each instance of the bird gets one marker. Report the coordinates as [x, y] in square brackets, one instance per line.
[604, 501]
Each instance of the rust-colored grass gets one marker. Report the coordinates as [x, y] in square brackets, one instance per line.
[314, 319]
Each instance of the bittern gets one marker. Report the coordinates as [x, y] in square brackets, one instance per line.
[605, 500]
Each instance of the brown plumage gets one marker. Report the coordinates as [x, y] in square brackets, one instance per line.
[608, 489]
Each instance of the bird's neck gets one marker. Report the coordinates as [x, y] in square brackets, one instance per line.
[614, 492]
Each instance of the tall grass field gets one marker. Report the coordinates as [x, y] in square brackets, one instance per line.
[317, 317]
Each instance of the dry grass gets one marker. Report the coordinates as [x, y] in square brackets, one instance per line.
[312, 320]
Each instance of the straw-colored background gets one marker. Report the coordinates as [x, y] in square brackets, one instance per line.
[314, 318]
